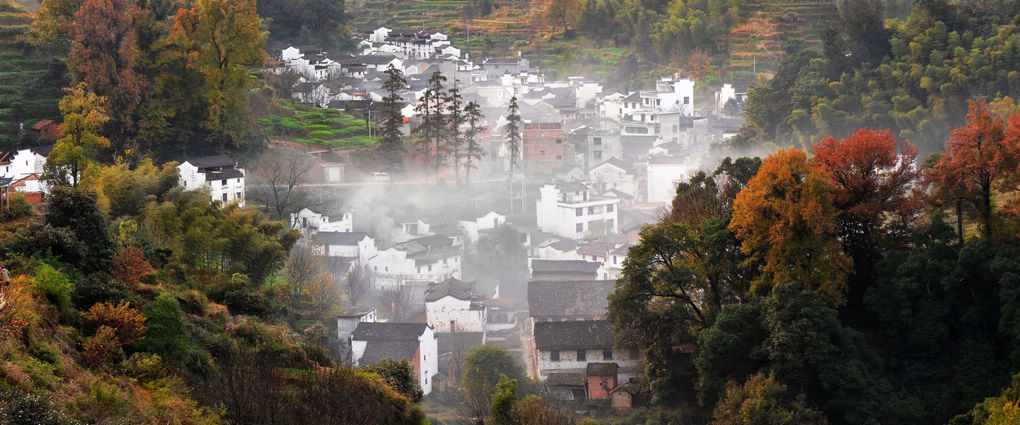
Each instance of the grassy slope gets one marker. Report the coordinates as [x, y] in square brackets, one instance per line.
[28, 90]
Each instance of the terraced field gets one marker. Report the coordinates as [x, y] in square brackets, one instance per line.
[30, 82]
[756, 45]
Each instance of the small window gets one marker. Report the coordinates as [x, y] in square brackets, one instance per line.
[224, 197]
[579, 227]
[607, 354]
[598, 141]
[582, 355]
[579, 212]
[597, 155]
[541, 153]
[223, 182]
[430, 267]
[687, 100]
[591, 210]
[554, 355]
[559, 141]
[559, 156]
[237, 195]
[609, 208]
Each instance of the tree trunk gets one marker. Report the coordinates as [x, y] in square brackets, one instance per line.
[959, 220]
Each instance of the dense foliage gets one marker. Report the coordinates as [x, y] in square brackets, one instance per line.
[831, 289]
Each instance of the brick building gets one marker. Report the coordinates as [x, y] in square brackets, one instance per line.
[545, 147]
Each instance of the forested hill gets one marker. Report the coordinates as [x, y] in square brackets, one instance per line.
[914, 76]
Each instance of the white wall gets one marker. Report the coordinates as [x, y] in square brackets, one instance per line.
[429, 359]
[568, 361]
[441, 312]
[663, 178]
[561, 219]
[233, 188]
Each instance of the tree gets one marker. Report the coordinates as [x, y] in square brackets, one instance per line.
[391, 143]
[786, 220]
[167, 332]
[533, 410]
[473, 151]
[561, 12]
[103, 54]
[278, 181]
[483, 367]
[130, 266]
[312, 289]
[76, 211]
[456, 142]
[222, 42]
[872, 187]
[979, 159]
[433, 128]
[399, 375]
[512, 132]
[53, 19]
[75, 153]
[762, 400]
[127, 323]
[503, 401]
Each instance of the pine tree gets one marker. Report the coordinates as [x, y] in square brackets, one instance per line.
[455, 136]
[433, 122]
[472, 150]
[391, 146]
[512, 130]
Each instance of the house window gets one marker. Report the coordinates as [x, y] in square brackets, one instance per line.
[559, 141]
[495, 222]
[430, 267]
[223, 182]
[554, 355]
[579, 227]
[582, 355]
[687, 100]
[559, 156]
[597, 155]
[609, 208]
[224, 197]
[607, 354]
[598, 141]
[541, 153]
[237, 195]
[591, 210]
[578, 212]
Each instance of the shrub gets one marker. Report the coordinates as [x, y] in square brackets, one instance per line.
[97, 288]
[127, 323]
[166, 334]
[18, 408]
[130, 265]
[100, 349]
[51, 284]
[249, 302]
[145, 367]
[15, 309]
[19, 208]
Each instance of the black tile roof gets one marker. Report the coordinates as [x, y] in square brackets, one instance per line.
[584, 299]
[601, 369]
[564, 266]
[340, 238]
[395, 350]
[375, 331]
[212, 161]
[456, 288]
[565, 379]
[572, 335]
[226, 173]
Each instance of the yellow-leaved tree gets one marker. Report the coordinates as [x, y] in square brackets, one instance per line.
[74, 154]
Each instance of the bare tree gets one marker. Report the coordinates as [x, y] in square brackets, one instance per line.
[311, 288]
[397, 299]
[278, 184]
[357, 285]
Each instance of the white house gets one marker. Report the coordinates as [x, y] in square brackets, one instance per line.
[16, 164]
[569, 346]
[664, 173]
[676, 94]
[471, 223]
[414, 342]
[310, 222]
[347, 322]
[355, 245]
[452, 307]
[218, 173]
[613, 174]
[422, 261]
[564, 249]
[570, 210]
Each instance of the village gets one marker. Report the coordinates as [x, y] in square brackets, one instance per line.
[420, 282]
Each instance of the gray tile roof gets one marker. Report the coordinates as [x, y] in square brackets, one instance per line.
[340, 238]
[565, 379]
[395, 350]
[585, 299]
[377, 331]
[572, 335]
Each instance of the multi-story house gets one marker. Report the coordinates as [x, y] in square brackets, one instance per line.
[544, 147]
[569, 299]
[570, 210]
[422, 261]
[613, 174]
[414, 342]
[218, 173]
[354, 245]
[310, 222]
[664, 173]
[570, 346]
[451, 306]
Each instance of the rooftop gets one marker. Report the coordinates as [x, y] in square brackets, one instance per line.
[212, 161]
[377, 331]
[573, 335]
[586, 299]
[341, 238]
[602, 369]
[564, 266]
[565, 379]
[456, 288]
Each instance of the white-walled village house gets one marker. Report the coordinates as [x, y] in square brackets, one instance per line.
[570, 210]
[219, 173]
[414, 342]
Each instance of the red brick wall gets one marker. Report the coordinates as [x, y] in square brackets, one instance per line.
[596, 391]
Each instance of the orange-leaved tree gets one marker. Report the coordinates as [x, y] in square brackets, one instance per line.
[979, 159]
[128, 323]
[130, 266]
[786, 220]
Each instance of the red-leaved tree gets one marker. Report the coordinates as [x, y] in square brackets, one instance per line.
[979, 159]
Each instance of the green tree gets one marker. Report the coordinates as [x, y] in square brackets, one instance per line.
[391, 143]
[167, 333]
[483, 367]
[77, 212]
[74, 155]
[762, 400]
[456, 137]
[503, 401]
[433, 129]
[399, 375]
[513, 135]
[473, 151]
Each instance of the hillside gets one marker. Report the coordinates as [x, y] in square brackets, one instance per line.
[30, 81]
